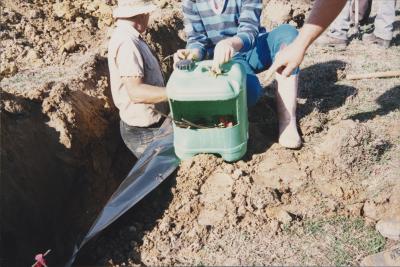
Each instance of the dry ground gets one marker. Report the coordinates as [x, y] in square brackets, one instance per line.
[314, 206]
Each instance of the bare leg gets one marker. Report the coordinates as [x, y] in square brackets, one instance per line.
[286, 96]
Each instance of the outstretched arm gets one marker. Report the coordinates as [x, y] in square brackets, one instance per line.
[141, 93]
[130, 66]
[290, 57]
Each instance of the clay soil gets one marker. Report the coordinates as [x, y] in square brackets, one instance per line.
[62, 156]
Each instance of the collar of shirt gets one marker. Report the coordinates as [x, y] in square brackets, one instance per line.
[217, 5]
[127, 26]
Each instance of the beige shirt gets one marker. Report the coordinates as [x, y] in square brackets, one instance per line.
[129, 55]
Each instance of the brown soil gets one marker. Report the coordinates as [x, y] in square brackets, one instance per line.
[62, 157]
[61, 152]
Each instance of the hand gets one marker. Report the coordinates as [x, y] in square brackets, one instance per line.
[186, 54]
[223, 52]
[288, 59]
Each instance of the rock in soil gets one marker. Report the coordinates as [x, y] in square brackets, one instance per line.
[389, 257]
[389, 227]
[373, 211]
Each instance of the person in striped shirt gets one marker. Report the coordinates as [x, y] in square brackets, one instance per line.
[230, 29]
[225, 30]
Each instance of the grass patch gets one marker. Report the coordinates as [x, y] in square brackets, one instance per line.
[313, 227]
[345, 240]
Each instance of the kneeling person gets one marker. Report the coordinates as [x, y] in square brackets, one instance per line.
[137, 83]
[225, 30]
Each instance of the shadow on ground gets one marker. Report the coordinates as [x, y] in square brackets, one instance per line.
[317, 87]
[388, 101]
[263, 127]
[396, 38]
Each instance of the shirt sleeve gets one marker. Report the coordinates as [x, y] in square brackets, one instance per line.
[249, 23]
[129, 60]
[194, 28]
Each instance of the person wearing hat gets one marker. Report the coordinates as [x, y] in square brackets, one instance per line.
[137, 83]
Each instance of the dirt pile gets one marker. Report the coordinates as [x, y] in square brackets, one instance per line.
[44, 33]
[276, 12]
[222, 213]
[61, 153]
[272, 209]
[350, 146]
[165, 37]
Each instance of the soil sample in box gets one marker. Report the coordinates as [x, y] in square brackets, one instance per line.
[209, 111]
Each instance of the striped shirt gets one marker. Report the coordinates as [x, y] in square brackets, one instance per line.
[205, 28]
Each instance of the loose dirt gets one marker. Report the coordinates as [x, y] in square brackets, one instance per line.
[61, 152]
[62, 156]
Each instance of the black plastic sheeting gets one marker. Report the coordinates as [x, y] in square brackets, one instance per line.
[154, 166]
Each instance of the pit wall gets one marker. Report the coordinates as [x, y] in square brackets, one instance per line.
[61, 152]
[61, 158]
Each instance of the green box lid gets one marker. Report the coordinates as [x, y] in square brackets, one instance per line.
[198, 83]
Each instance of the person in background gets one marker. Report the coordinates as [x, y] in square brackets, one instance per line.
[337, 34]
[137, 83]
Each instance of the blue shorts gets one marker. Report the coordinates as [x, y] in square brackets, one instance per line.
[261, 57]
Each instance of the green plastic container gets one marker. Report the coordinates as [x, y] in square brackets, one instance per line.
[195, 95]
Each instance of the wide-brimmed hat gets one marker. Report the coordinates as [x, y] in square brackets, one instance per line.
[131, 8]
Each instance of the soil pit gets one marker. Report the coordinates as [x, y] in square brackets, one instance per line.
[61, 158]
[61, 152]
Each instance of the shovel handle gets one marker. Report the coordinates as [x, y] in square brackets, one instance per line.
[383, 74]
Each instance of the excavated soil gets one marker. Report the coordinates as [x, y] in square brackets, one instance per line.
[62, 156]
[61, 153]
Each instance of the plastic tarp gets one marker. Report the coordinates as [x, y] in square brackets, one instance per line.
[154, 166]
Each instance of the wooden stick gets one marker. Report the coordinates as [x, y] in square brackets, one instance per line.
[382, 74]
[194, 124]
[47, 252]
[188, 123]
[167, 57]
[44, 255]
[356, 18]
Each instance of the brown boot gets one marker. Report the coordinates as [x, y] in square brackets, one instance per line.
[329, 41]
[373, 39]
[389, 257]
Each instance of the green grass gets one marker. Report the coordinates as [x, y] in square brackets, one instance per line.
[345, 239]
[313, 227]
[340, 256]
[286, 228]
